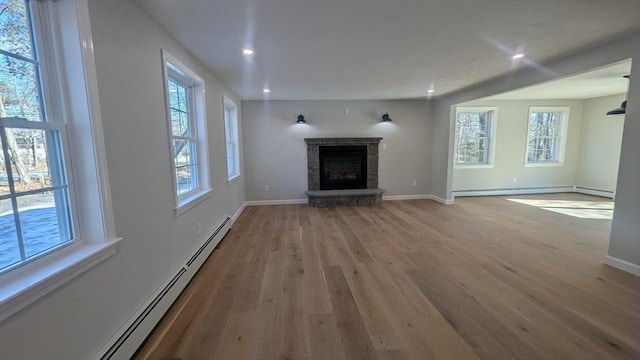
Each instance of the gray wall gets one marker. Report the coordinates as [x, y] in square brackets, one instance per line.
[625, 229]
[625, 233]
[600, 144]
[276, 155]
[75, 321]
[510, 148]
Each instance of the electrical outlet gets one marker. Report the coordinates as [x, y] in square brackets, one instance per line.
[384, 146]
[515, 179]
[415, 183]
[346, 111]
[199, 228]
[266, 188]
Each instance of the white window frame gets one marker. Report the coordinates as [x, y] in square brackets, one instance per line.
[67, 48]
[175, 69]
[563, 124]
[492, 129]
[232, 138]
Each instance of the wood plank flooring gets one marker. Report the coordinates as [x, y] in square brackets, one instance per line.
[486, 278]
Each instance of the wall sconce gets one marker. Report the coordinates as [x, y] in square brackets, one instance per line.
[623, 107]
[385, 117]
[618, 111]
[301, 119]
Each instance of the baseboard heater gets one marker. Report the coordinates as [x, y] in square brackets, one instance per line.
[126, 341]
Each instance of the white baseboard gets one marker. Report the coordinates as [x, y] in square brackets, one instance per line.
[385, 198]
[237, 214]
[442, 201]
[595, 192]
[126, 341]
[407, 197]
[276, 202]
[418, 197]
[622, 265]
[523, 191]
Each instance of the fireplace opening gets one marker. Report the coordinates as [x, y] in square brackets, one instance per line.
[343, 167]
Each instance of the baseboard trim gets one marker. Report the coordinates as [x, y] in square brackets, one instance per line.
[126, 341]
[622, 265]
[442, 200]
[418, 197]
[522, 191]
[384, 198]
[237, 214]
[595, 192]
[276, 202]
[407, 197]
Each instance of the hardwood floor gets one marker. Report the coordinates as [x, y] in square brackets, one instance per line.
[486, 278]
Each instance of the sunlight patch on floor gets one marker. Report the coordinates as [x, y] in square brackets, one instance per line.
[579, 209]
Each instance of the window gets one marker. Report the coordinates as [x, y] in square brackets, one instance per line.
[49, 120]
[232, 139]
[187, 133]
[475, 135]
[35, 212]
[545, 135]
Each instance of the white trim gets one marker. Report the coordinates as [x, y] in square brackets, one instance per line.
[89, 176]
[228, 104]
[196, 86]
[594, 192]
[384, 198]
[233, 179]
[17, 293]
[493, 128]
[418, 197]
[407, 197]
[472, 166]
[442, 201]
[622, 265]
[237, 214]
[544, 164]
[523, 191]
[189, 202]
[276, 202]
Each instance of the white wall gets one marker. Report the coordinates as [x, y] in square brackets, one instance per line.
[75, 321]
[276, 154]
[600, 143]
[510, 148]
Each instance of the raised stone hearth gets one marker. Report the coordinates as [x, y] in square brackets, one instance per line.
[348, 181]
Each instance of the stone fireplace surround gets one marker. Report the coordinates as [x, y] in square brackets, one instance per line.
[372, 195]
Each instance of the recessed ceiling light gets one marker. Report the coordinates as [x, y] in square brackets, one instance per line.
[266, 91]
[430, 91]
[247, 51]
[517, 56]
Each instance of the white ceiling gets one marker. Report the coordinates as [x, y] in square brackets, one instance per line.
[599, 82]
[381, 49]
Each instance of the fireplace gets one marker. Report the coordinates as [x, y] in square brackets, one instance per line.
[343, 171]
[343, 167]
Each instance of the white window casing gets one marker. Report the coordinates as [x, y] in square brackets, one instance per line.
[71, 101]
[490, 137]
[553, 145]
[174, 70]
[232, 139]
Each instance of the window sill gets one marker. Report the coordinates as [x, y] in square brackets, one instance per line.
[32, 283]
[473, 166]
[188, 202]
[233, 179]
[547, 164]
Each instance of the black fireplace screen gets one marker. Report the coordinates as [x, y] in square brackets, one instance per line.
[343, 167]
